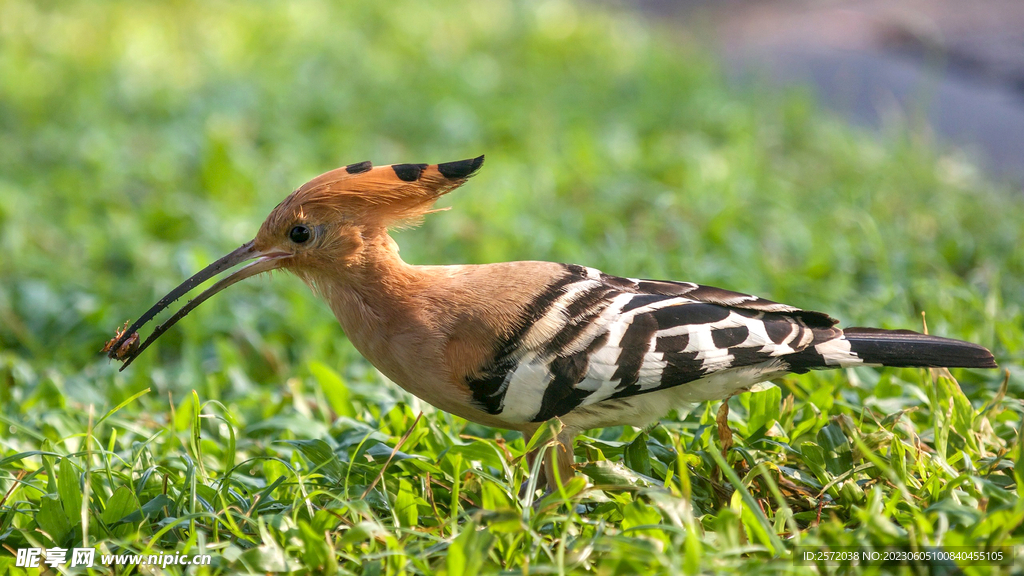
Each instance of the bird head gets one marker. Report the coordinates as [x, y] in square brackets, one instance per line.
[321, 226]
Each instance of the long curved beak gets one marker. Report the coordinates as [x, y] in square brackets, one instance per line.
[261, 262]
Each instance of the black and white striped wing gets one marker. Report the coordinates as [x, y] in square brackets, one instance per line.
[592, 337]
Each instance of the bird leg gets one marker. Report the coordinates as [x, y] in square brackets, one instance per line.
[558, 457]
[722, 422]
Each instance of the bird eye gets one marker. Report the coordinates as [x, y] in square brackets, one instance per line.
[299, 234]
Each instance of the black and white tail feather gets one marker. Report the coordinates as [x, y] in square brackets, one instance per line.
[906, 348]
[600, 350]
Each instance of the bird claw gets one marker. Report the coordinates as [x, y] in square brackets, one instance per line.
[524, 491]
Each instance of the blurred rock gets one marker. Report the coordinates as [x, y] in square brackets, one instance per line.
[958, 66]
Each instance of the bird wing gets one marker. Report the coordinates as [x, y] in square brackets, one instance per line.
[591, 337]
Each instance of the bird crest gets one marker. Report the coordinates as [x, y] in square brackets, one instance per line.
[386, 196]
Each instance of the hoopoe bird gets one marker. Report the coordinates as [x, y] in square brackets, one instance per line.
[515, 344]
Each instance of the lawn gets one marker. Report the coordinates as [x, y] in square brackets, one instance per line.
[139, 141]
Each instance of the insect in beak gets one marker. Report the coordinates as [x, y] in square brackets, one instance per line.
[126, 348]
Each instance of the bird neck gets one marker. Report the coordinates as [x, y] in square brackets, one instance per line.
[376, 299]
[377, 280]
[380, 271]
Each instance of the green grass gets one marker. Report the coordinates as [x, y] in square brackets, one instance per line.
[138, 141]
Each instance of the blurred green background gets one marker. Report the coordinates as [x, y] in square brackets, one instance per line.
[139, 141]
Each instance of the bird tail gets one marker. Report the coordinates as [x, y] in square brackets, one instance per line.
[905, 348]
[897, 348]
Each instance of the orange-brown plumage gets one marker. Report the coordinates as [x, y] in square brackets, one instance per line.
[518, 343]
